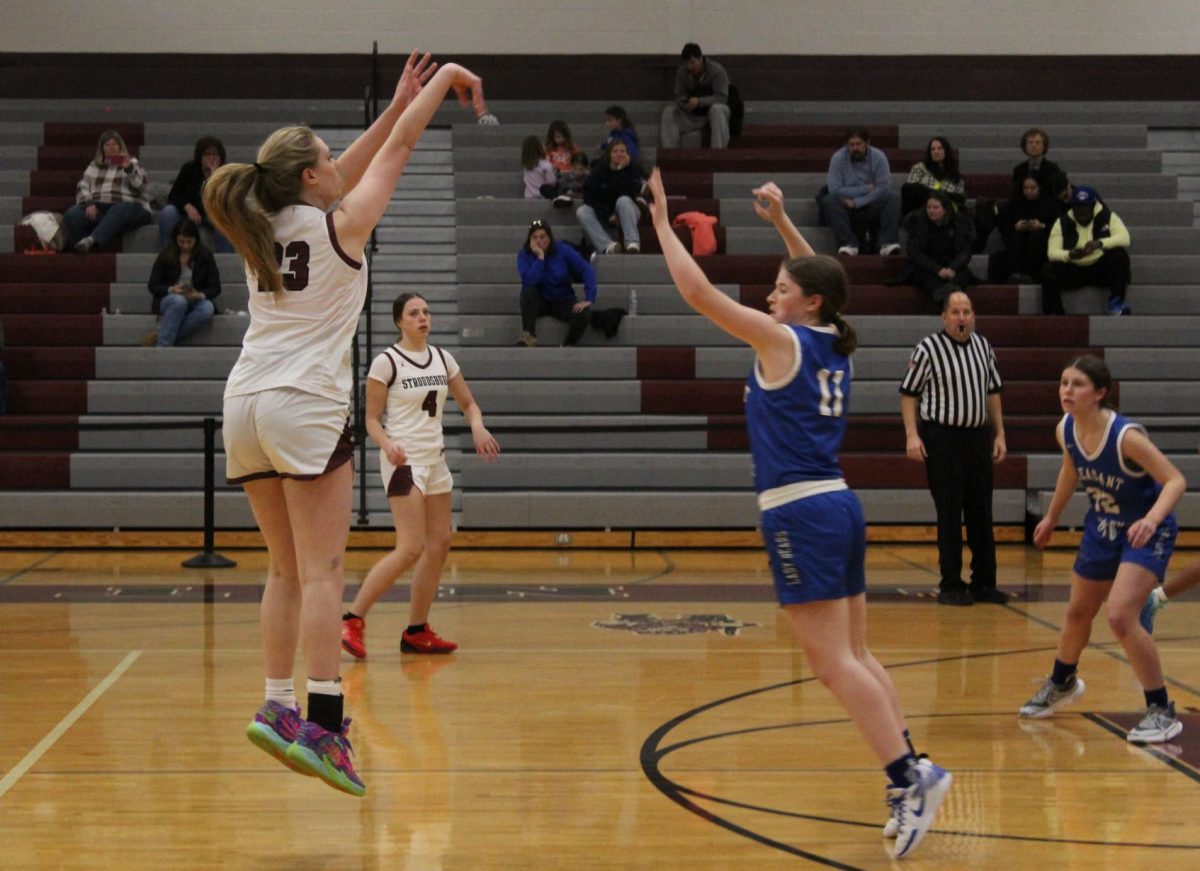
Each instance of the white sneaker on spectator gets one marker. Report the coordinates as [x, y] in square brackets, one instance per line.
[84, 245]
[848, 250]
[633, 248]
[889, 250]
[487, 119]
[613, 248]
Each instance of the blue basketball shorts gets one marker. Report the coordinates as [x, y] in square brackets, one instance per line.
[817, 547]
[1100, 554]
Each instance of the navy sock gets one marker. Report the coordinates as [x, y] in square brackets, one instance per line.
[1156, 697]
[897, 770]
[908, 741]
[418, 628]
[1062, 673]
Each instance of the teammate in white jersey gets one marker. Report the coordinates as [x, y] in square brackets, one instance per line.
[406, 394]
[300, 221]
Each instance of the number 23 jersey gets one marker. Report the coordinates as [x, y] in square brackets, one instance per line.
[301, 337]
[417, 388]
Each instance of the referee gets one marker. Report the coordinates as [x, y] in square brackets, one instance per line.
[952, 375]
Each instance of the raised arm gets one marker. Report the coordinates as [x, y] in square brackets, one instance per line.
[354, 161]
[362, 208]
[768, 204]
[755, 328]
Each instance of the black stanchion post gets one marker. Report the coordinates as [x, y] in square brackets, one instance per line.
[208, 558]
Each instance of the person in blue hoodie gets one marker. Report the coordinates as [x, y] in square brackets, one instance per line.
[549, 270]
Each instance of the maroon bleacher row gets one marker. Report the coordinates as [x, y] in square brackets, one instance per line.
[50, 307]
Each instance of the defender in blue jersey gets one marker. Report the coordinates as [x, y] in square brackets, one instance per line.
[1128, 536]
[812, 523]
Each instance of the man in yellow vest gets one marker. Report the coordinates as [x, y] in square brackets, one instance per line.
[1088, 248]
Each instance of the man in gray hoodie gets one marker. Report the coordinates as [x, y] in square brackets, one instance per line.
[701, 100]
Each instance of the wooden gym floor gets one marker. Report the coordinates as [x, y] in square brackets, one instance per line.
[607, 709]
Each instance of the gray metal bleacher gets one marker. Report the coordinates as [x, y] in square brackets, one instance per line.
[453, 232]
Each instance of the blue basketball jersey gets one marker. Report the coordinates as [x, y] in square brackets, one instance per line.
[1120, 494]
[797, 423]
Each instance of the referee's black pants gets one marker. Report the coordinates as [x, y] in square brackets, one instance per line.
[958, 463]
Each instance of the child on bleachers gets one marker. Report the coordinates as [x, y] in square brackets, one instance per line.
[570, 184]
[619, 127]
[541, 182]
[559, 146]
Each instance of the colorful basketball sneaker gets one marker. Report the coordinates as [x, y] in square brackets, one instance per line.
[354, 641]
[274, 728]
[425, 641]
[917, 805]
[327, 755]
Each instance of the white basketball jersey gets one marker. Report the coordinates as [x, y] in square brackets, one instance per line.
[301, 337]
[416, 398]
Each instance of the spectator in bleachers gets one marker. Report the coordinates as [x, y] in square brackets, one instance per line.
[858, 202]
[620, 128]
[3, 378]
[1088, 248]
[1024, 222]
[570, 184]
[541, 182]
[701, 100]
[610, 197]
[560, 148]
[937, 171]
[549, 270]
[111, 197]
[185, 201]
[183, 283]
[939, 249]
[1035, 143]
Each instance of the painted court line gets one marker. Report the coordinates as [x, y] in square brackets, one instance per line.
[32, 757]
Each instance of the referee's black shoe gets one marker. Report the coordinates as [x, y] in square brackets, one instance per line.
[958, 595]
[990, 595]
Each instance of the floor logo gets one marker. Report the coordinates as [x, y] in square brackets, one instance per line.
[684, 624]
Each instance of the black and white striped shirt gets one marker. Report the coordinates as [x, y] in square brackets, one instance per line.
[953, 379]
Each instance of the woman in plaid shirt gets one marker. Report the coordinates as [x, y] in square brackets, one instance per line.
[110, 199]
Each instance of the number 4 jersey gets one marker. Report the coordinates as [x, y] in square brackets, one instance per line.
[1119, 493]
[416, 398]
[301, 337]
[797, 423]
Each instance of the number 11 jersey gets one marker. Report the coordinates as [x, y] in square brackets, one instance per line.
[797, 423]
[301, 337]
[416, 398]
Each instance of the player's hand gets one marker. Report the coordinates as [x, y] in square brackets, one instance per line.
[469, 89]
[1140, 532]
[394, 452]
[768, 202]
[915, 448]
[657, 199]
[485, 445]
[416, 73]
[1042, 533]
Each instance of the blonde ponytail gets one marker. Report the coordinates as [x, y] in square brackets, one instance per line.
[239, 197]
